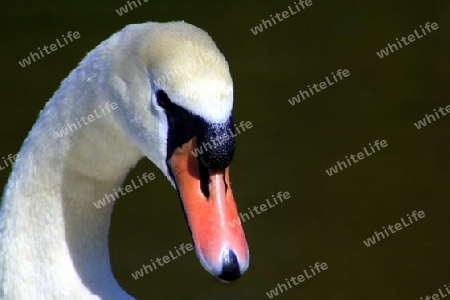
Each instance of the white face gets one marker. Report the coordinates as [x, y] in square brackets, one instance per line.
[206, 97]
[197, 80]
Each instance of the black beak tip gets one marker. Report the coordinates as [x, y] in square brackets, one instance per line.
[230, 267]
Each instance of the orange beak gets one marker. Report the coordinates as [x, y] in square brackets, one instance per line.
[212, 217]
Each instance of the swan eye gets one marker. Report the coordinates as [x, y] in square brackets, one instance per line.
[163, 99]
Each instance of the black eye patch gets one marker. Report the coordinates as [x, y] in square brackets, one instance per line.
[215, 140]
[163, 100]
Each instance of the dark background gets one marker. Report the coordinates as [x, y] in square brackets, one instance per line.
[288, 148]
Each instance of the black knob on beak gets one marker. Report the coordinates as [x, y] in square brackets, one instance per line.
[218, 145]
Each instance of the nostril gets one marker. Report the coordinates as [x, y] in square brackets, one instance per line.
[230, 267]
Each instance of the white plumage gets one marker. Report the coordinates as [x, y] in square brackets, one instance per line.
[53, 241]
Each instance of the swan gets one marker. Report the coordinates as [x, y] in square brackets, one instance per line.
[173, 92]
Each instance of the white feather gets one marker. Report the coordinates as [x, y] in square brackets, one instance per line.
[53, 241]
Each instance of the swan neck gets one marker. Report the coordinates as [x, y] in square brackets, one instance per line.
[54, 239]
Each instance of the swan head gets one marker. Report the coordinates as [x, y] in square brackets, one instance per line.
[177, 100]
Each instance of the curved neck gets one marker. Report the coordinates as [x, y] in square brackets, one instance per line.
[54, 241]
